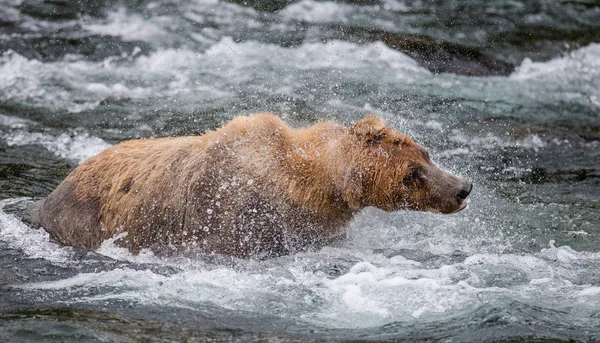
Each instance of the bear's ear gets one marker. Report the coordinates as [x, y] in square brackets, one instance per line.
[371, 127]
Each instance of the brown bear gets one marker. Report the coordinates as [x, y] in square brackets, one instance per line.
[255, 187]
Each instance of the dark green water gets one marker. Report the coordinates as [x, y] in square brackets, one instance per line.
[521, 263]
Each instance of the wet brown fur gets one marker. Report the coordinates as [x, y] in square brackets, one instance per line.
[252, 187]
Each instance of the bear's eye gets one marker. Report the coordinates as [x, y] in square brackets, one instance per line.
[413, 174]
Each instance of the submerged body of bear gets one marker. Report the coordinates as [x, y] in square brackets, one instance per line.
[253, 187]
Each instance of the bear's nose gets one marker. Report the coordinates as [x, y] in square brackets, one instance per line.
[465, 191]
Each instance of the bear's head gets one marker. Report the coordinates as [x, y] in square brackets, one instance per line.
[392, 172]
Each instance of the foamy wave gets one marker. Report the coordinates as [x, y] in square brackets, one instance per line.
[395, 5]
[590, 291]
[15, 122]
[221, 13]
[54, 85]
[567, 255]
[315, 12]
[35, 243]
[117, 90]
[120, 277]
[577, 73]
[333, 54]
[320, 12]
[374, 291]
[77, 86]
[222, 286]
[10, 11]
[110, 249]
[162, 30]
[72, 86]
[491, 141]
[130, 27]
[75, 146]
[21, 78]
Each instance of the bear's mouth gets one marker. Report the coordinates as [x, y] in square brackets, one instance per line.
[464, 205]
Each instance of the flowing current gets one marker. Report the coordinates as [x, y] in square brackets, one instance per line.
[522, 262]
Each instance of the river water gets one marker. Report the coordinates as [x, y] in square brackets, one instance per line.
[522, 262]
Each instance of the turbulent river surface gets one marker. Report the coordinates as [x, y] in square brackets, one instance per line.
[505, 94]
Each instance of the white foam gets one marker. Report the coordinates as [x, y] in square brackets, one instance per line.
[110, 249]
[374, 291]
[435, 125]
[320, 12]
[395, 5]
[117, 90]
[74, 145]
[315, 11]
[43, 84]
[78, 85]
[221, 286]
[68, 85]
[479, 144]
[532, 141]
[566, 254]
[20, 78]
[576, 75]
[119, 277]
[35, 243]
[221, 13]
[589, 291]
[130, 27]
[578, 233]
[12, 122]
[10, 10]
[540, 281]
[489, 141]
[162, 30]
[454, 152]
[333, 54]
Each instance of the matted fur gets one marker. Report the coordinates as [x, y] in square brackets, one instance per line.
[253, 187]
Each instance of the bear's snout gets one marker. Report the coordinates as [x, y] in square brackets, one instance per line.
[448, 192]
[464, 192]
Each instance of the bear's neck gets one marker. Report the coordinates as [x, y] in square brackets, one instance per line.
[319, 159]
